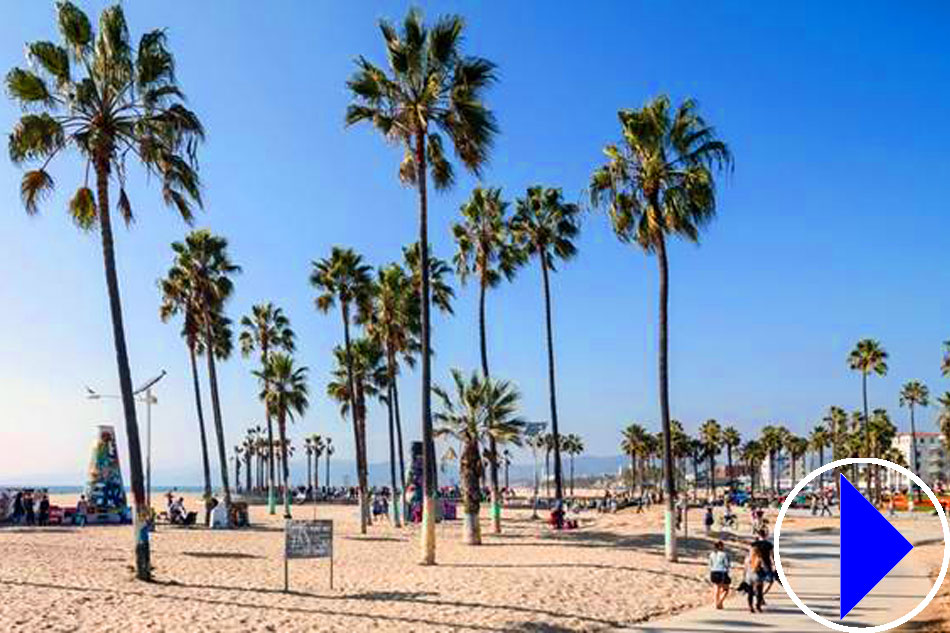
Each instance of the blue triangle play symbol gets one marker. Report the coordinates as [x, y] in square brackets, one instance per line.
[870, 547]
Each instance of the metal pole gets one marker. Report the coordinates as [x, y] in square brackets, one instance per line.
[286, 574]
[148, 449]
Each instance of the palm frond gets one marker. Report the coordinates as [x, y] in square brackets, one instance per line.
[82, 209]
[35, 186]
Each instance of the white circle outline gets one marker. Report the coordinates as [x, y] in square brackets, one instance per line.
[880, 628]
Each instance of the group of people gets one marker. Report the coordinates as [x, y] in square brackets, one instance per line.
[758, 570]
[30, 508]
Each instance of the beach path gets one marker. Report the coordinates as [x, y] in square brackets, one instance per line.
[810, 560]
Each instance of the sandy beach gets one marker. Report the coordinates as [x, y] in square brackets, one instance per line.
[609, 573]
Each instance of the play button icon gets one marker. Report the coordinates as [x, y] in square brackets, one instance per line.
[870, 547]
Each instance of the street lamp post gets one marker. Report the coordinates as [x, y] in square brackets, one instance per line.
[149, 399]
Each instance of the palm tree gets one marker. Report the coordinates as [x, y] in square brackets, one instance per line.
[329, 450]
[711, 436]
[285, 395]
[945, 361]
[432, 88]
[913, 394]
[238, 451]
[943, 417]
[837, 422]
[680, 449]
[317, 445]
[573, 445]
[356, 379]
[817, 441]
[104, 98]
[772, 443]
[752, 454]
[731, 439]
[481, 409]
[385, 395]
[696, 452]
[344, 278]
[393, 324]
[178, 298]
[658, 182]
[632, 441]
[249, 448]
[545, 226]
[797, 448]
[866, 357]
[203, 267]
[266, 329]
[485, 250]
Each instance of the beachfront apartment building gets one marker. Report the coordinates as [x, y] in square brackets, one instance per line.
[933, 465]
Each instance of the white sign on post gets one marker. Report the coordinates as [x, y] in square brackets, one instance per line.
[307, 539]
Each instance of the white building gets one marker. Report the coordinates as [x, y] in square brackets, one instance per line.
[932, 463]
[783, 472]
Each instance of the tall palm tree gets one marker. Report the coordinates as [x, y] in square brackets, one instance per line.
[248, 445]
[697, 452]
[731, 439]
[178, 298]
[317, 446]
[818, 440]
[545, 226]
[837, 423]
[98, 94]
[632, 441]
[480, 409]
[393, 324]
[431, 87]
[356, 379]
[573, 445]
[867, 356]
[485, 250]
[266, 329]
[202, 265]
[797, 448]
[658, 182]
[238, 452]
[329, 450]
[343, 278]
[710, 434]
[945, 361]
[680, 448]
[914, 394]
[285, 396]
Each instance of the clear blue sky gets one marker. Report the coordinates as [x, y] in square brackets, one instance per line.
[832, 228]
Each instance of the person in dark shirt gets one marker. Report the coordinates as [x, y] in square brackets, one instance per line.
[28, 509]
[766, 551]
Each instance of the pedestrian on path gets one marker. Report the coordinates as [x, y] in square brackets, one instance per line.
[719, 565]
[755, 574]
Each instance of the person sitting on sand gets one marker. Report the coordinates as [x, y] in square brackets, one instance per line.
[719, 573]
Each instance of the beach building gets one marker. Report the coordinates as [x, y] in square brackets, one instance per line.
[932, 463]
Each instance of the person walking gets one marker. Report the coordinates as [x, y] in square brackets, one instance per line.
[18, 510]
[82, 510]
[708, 520]
[28, 509]
[719, 565]
[755, 579]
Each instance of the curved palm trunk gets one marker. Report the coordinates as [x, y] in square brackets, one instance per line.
[492, 444]
[470, 463]
[216, 409]
[429, 481]
[355, 415]
[663, 351]
[558, 489]
[392, 459]
[205, 464]
[285, 470]
[143, 567]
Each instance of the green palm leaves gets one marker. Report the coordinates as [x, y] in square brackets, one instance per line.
[485, 248]
[98, 94]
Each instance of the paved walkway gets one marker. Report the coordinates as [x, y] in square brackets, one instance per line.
[810, 560]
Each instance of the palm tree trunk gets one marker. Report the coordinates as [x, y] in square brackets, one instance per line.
[665, 402]
[429, 482]
[247, 471]
[712, 475]
[237, 472]
[399, 444]
[558, 490]
[216, 408]
[730, 476]
[285, 470]
[354, 415]
[572, 474]
[328, 470]
[361, 463]
[471, 494]
[492, 444]
[392, 458]
[205, 464]
[913, 449]
[143, 568]
[316, 473]
[821, 458]
[310, 472]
